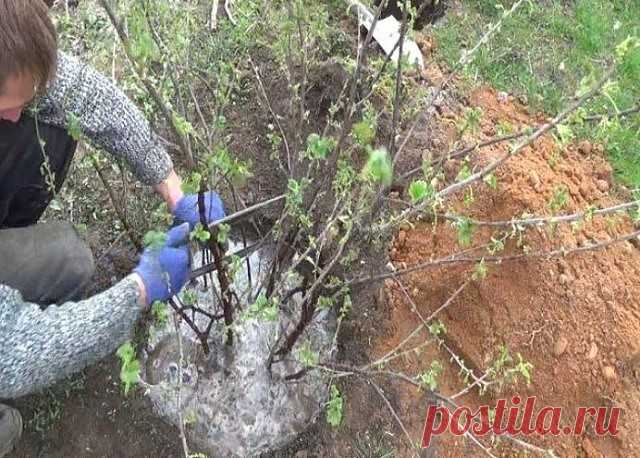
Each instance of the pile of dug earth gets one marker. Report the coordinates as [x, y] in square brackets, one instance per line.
[575, 318]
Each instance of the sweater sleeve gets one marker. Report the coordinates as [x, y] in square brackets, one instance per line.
[41, 347]
[105, 116]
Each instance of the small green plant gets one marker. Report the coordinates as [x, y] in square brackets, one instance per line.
[464, 173]
[429, 379]
[160, 313]
[190, 418]
[155, 239]
[496, 245]
[200, 233]
[480, 271]
[471, 121]
[46, 413]
[559, 199]
[307, 356]
[378, 168]
[565, 135]
[191, 184]
[420, 190]
[436, 328]
[364, 132]
[319, 147]
[491, 181]
[263, 309]
[335, 407]
[223, 233]
[469, 197]
[129, 366]
[466, 228]
[325, 302]
[505, 128]
[506, 371]
[189, 297]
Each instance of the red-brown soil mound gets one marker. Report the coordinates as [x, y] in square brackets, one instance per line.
[575, 318]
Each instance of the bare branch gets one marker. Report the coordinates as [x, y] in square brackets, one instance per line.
[157, 98]
[452, 260]
[541, 220]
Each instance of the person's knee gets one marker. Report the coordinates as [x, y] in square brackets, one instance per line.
[81, 265]
[52, 264]
[78, 264]
[75, 263]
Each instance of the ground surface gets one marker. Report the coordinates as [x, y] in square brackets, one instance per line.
[577, 320]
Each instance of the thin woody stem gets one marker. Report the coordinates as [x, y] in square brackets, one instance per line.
[452, 260]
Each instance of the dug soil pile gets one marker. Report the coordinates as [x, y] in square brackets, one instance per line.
[575, 318]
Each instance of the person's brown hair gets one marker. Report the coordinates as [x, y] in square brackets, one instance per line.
[28, 41]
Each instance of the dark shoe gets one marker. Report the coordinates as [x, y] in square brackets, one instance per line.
[10, 429]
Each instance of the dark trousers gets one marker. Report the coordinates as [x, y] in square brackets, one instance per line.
[48, 262]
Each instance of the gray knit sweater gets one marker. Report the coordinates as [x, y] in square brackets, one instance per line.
[39, 347]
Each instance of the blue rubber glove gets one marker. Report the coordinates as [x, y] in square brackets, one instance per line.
[187, 211]
[164, 271]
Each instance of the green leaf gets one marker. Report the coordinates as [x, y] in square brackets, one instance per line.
[200, 233]
[319, 147]
[364, 133]
[464, 173]
[347, 305]
[325, 302]
[335, 408]
[183, 126]
[223, 233]
[379, 167]
[130, 366]
[263, 309]
[130, 375]
[73, 126]
[480, 272]
[188, 297]
[191, 185]
[307, 356]
[626, 46]
[418, 191]
[190, 418]
[126, 352]
[294, 193]
[429, 379]
[160, 313]
[491, 181]
[437, 328]
[565, 134]
[465, 231]
[155, 239]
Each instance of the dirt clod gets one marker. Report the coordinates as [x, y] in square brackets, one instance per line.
[560, 346]
[534, 180]
[609, 372]
[564, 279]
[402, 238]
[585, 147]
[589, 450]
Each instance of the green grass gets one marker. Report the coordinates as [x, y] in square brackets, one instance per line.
[545, 50]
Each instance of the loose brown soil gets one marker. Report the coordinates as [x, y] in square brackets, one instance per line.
[576, 319]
